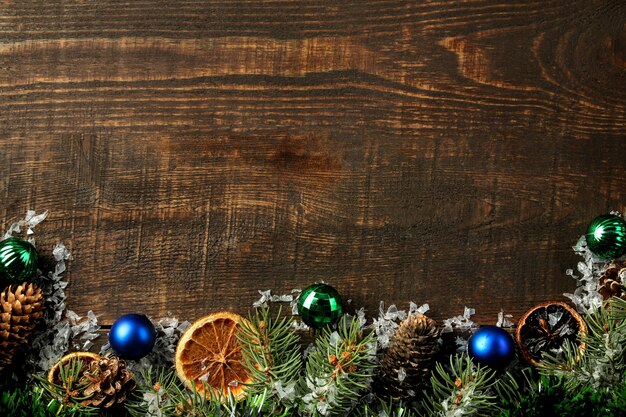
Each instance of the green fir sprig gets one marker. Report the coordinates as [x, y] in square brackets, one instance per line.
[338, 370]
[601, 364]
[24, 402]
[153, 396]
[160, 393]
[66, 397]
[334, 380]
[380, 408]
[272, 355]
[466, 389]
[546, 396]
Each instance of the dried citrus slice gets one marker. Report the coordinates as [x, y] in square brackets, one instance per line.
[209, 354]
[546, 327]
[85, 357]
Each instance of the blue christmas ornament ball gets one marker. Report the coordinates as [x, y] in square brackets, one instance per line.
[132, 336]
[492, 346]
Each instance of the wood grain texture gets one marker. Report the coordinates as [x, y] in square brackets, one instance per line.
[193, 152]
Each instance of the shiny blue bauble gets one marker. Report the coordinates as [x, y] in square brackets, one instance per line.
[132, 336]
[491, 346]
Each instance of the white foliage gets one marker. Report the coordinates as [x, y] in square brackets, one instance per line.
[387, 322]
[415, 309]
[586, 296]
[463, 324]
[49, 345]
[31, 220]
[85, 327]
[401, 374]
[153, 400]
[287, 393]
[267, 297]
[503, 320]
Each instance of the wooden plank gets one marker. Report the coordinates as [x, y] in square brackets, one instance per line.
[193, 152]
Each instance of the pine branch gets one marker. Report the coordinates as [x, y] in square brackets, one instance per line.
[617, 308]
[159, 393]
[24, 402]
[602, 364]
[339, 370]
[192, 403]
[466, 390]
[153, 395]
[271, 352]
[67, 398]
[539, 395]
[380, 408]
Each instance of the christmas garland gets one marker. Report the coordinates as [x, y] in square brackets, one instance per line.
[565, 359]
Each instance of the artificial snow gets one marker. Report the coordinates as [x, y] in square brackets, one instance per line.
[387, 322]
[586, 296]
[503, 320]
[49, 345]
[401, 374]
[462, 323]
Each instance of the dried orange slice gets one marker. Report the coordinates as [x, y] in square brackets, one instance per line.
[85, 357]
[546, 328]
[209, 354]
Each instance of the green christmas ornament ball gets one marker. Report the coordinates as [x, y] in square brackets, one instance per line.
[320, 305]
[18, 260]
[606, 236]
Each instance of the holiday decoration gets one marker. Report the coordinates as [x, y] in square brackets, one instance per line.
[405, 367]
[606, 236]
[546, 328]
[491, 346]
[611, 283]
[271, 353]
[340, 368]
[598, 361]
[209, 355]
[463, 390]
[132, 336]
[84, 358]
[355, 368]
[85, 380]
[320, 305]
[107, 382]
[21, 309]
[18, 260]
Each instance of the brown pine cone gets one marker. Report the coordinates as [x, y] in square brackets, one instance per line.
[406, 365]
[21, 309]
[610, 281]
[108, 380]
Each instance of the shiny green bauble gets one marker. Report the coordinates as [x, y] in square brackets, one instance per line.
[606, 236]
[320, 305]
[18, 260]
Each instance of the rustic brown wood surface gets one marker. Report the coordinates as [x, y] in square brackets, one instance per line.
[193, 152]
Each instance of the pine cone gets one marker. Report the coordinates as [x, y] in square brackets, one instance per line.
[21, 308]
[610, 281]
[108, 380]
[406, 364]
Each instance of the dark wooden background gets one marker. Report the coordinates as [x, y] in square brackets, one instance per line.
[193, 152]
